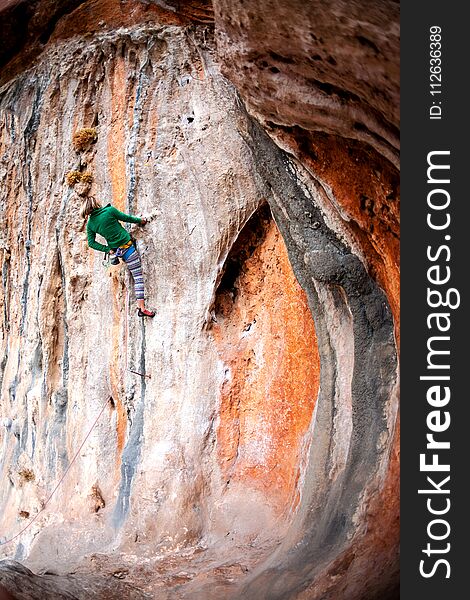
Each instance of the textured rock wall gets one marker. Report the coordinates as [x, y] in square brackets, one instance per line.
[323, 79]
[329, 66]
[169, 147]
[257, 457]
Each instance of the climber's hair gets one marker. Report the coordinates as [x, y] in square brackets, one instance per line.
[89, 204]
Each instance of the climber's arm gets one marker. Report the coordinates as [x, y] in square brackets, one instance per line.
[126, 218]
[93, 243]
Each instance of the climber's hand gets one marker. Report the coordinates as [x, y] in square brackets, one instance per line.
[143, 221]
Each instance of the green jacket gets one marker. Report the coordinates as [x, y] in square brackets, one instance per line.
[105, 221]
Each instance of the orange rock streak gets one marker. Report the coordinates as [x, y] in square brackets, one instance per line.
[116, 139]
[266, 339]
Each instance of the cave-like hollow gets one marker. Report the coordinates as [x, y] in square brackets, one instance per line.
[265, 336]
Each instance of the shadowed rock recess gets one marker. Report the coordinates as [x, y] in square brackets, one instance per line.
[248, 444]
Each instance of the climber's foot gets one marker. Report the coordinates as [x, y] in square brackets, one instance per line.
[145, 313]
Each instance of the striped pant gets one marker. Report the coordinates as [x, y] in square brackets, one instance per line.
[132, 260]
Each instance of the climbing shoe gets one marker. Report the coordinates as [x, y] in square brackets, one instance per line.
[145, 313]
[115, 260]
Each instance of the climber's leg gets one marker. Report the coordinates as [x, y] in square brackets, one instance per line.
[134, 265]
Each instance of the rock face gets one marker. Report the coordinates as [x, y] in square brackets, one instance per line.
[244, 441]
[328, 66]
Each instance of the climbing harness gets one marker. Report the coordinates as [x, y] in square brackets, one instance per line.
[119, 253]
[128, 245]
[3, 543]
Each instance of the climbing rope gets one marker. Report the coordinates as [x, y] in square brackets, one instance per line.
[3, 543]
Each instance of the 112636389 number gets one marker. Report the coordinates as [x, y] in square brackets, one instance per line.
[435, 51]
[435, 71]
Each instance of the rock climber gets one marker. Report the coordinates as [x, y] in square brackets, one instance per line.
[105, 221]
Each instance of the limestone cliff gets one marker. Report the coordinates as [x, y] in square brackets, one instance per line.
[248, 441]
